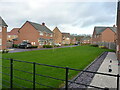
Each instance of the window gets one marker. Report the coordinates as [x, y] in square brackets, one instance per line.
[9, 36]
[14, 36]
[33, 43]
[41, 33]
[67, 38]
[50, 42]
[0, 41]
[95, 36]
[51, 35]
[25, 40]
[0, 29]
[41, 43]
[46, 34]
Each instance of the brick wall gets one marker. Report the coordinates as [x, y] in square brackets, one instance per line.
[57, 36]
[3, 37]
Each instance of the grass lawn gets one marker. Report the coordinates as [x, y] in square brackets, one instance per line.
[76, 57]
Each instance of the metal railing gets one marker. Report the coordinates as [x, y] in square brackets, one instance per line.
[34, 74]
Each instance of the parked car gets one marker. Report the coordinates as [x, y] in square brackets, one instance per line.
[25, 45]
[58, 44]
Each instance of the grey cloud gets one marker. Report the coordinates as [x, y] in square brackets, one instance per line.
[75, 14]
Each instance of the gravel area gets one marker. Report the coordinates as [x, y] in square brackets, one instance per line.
[86, 78]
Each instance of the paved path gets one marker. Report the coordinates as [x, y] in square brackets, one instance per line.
[107, 81]
[23, 50]
[85, 77]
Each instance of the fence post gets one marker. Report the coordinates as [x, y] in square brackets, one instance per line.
[66, 81]
[117, 81]
[33, 75]
[11, 73]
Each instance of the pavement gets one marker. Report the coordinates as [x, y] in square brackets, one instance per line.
[14, 50]
[103, 80]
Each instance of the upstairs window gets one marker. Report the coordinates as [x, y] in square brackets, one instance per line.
[9, 36]
[41, 33]
[0, 41]
[51, 35]
[0, 29]
[46, 34]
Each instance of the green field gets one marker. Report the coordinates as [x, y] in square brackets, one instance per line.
[74, 57]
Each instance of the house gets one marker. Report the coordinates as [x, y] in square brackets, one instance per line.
[65, 38]
[104, 34]
[86, 40]
[3, 34]
[72, 40]
[12, 37]
[57, 36]
[118, 32]
[13, 34]
[36, 34]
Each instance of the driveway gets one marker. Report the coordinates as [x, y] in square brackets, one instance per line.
[13, 50]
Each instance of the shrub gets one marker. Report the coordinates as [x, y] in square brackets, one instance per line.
[56, 45]
[15, 46]
[34, 46]
[94, 45]
[103, 47]
[66, 44]
[47, 46]
[5, 51]
[84, 44]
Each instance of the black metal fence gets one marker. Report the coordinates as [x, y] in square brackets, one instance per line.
[34, 74]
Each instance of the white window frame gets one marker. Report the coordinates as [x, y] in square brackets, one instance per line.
[41, 33]
[0, 41]
[41, 43]
[0, 29]
[51, 35]
[9, 36]
[46, 34]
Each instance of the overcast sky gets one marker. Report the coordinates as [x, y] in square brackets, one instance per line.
[75, 17]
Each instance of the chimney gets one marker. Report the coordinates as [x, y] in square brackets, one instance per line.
[43, 24]
[113, 25]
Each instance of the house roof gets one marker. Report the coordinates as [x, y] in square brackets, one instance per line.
[66, 34]
[85, 38]
[99, 30]
[72, 37]
[14, 31]
[40, 27]
[56, 28]
[2, 22]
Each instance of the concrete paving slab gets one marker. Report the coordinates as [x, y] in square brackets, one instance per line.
[107, 81]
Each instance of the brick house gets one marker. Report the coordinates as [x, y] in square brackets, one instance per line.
[72, 39]
[86, 40]
[118, 32]
[3, 34]
[57, 36]
[65, 38]
[36, 34]
[13, 34]
[104, 34]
